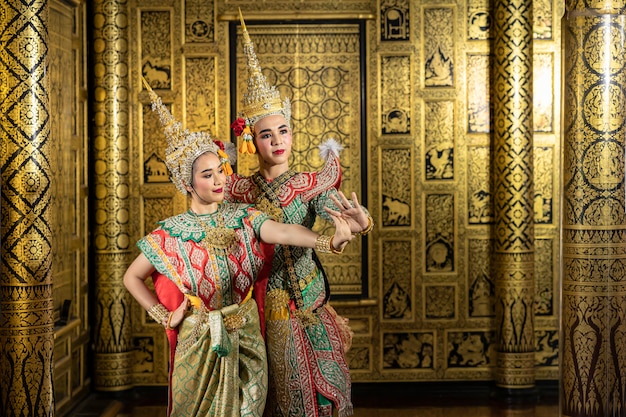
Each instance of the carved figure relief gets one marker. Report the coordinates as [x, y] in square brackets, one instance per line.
[439, 256]
[396, 187]
[199, 20]
[480, 210]
[544, 277]
[396, 303]
[397, 286]
[440, 301]
[394, 20]
[439, 140]
[543, 173]
[200, 96]
[143, 348]
[358, 358]
[438, 47]
[481, 288]
[155, 49]
[155, 170]
[408, 350]
[479, 25]
[396, 94]
[470, 349]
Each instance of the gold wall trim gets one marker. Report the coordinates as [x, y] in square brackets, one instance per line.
[287, 16]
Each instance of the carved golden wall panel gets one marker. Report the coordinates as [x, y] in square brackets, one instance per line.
[199, 21]
[398, 289]
[395, 20]
[156, 48]
[439, 140]
[479, 208]
[479, 20]
[440, 302]
[395, 93]
[481, 292]
[478, 100]
[438, 38]
[439, 234]
[396, 185]
[427, 311]
[200, 89]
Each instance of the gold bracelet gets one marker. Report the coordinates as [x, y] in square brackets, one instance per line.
[370, 226]
[322, 244]
[332, 248]
[158, 312]
[169, 320]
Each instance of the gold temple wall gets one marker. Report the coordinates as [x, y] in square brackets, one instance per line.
[420, 291]
[426, 310]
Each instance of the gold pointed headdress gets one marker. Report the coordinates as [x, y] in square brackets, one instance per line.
[261, 99]
[183, 146]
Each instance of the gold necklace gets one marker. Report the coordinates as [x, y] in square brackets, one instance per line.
[218, 237]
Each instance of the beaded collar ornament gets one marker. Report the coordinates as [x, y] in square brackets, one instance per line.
[260, 100]
[183, 146]
[217, 236]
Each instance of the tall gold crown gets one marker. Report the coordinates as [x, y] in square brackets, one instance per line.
[261, 99]
[183, 146]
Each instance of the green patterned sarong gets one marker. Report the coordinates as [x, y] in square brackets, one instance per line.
[207, 384]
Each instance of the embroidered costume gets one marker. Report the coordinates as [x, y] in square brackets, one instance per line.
[218, 359]
[305, 349]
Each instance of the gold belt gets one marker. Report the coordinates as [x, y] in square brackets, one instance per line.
[235, 321]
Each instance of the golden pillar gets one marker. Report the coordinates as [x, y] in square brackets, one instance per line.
[593, 282]
[513, 194]
[27, 320]
[110, 195]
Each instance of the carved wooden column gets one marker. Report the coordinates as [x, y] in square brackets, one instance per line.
[110, 195]
[593, 314]
[512, 171]
[26, 321]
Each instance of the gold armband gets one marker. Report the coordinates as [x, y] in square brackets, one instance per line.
[324, 244]
[158, 312]
[370, 226]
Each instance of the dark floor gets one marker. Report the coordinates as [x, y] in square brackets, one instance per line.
[380, 400]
